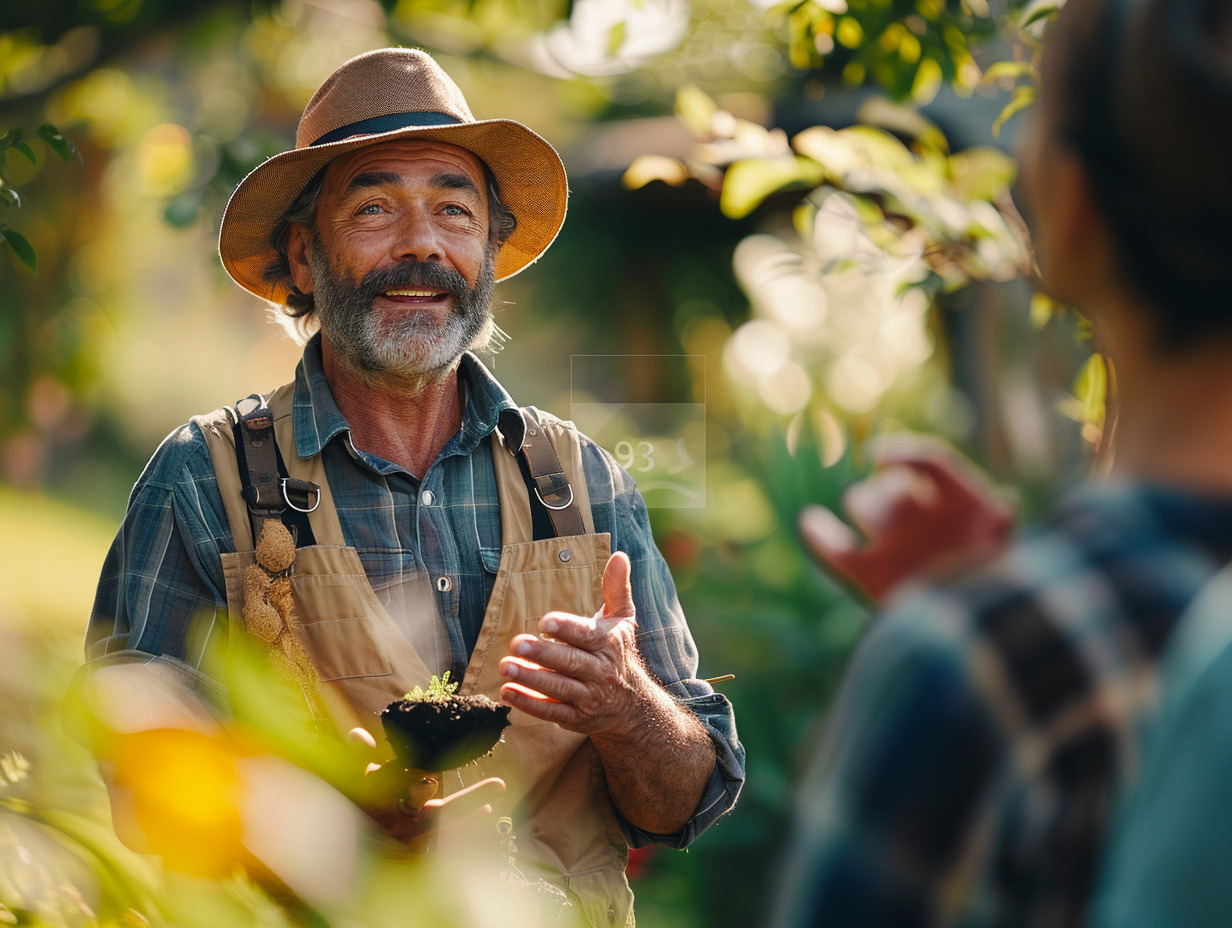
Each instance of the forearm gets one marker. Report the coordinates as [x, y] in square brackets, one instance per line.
[657, 771]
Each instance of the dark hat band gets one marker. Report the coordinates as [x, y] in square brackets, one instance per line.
[387, 123]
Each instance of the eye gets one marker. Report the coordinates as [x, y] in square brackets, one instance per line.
[453, 209]
[370, 209]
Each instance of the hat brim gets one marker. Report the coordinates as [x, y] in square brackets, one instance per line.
[527, 169]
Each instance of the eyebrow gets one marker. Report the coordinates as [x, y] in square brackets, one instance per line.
[451, 181]
[445, 180]
[373, 179]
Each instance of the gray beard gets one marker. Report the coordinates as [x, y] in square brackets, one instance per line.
[412, 349]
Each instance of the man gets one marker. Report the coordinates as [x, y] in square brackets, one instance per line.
[438, 528]
[990, 719]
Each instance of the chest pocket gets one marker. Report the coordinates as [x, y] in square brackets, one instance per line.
[338, 616]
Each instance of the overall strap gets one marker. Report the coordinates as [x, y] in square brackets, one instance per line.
[554, 512]
[268, 491]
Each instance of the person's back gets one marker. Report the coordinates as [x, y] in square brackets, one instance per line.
[989, 723]
[1169, 862]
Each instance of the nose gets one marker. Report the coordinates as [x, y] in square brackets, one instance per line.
[416, 239]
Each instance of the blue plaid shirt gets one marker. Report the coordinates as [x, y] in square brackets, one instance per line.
[986, 725]
[163, 575]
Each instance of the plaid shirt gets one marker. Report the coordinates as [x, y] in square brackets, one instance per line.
[986, 725]
[163, 575]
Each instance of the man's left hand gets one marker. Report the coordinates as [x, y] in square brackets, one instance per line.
[585, 674]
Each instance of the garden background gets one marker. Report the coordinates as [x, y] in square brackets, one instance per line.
[789, 231]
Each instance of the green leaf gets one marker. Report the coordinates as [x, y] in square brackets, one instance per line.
[1036, 11]
[749, 182]
[1091, 390]
[13, 135]
[57, 142]
[981, 173]
[1044, 309]
[905, 120]
[1022, 98]
[647, 168]
[616, 37]
[1007, 70]
[8, 193]
[26, 150]
[21, 248]
[696, 110]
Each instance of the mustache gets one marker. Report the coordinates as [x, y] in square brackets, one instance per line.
[410, 274]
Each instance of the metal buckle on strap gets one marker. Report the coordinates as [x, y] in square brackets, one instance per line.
[552, 486]
[303, 489]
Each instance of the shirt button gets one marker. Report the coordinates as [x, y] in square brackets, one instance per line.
[565, 555]
[444, 584]
[427, 497]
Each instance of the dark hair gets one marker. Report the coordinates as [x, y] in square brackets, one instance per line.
[302, 211]
[1143, 91]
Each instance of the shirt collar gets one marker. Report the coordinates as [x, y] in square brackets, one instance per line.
[317, 419]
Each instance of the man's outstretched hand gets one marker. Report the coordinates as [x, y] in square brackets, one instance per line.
[585, 673]
[925, 509]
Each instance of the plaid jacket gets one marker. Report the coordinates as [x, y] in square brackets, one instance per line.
[986, 726]
[162, 592]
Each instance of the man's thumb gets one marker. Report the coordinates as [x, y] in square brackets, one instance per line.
[617, 588]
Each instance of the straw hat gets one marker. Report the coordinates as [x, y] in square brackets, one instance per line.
[380, 96]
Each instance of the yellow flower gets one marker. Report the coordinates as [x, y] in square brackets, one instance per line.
[185, 791]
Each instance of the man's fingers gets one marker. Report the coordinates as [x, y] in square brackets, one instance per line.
[554, 655]
[535, 704]
[550, 683]
[361, 736]
[617, 587]
[471, 800]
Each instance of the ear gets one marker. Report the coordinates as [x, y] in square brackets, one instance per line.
[299, 256]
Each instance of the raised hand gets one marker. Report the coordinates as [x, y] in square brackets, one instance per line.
[925, 509]
[585, 673]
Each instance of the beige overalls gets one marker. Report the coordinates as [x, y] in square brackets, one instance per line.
[556, 792]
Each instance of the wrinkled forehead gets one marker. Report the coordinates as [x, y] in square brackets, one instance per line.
[407, 157]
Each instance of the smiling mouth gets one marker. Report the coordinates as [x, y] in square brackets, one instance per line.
[415, 294]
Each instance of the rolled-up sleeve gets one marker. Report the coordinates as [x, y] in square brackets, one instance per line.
[665, 641]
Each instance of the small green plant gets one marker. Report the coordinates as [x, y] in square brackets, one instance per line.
[440, 689]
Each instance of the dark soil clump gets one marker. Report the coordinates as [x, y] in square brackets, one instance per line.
[441, 734]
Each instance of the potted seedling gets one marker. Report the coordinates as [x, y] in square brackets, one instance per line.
[436, 729]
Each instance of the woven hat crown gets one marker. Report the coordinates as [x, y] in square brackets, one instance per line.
[381, 83]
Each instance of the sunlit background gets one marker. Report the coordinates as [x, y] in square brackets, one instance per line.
[789, 230]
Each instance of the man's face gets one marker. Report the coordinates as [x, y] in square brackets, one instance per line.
[402, 267]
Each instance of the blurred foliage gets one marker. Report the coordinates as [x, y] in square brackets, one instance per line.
[840, 296]
[907, 47]
[19, 141]
[814, 286]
